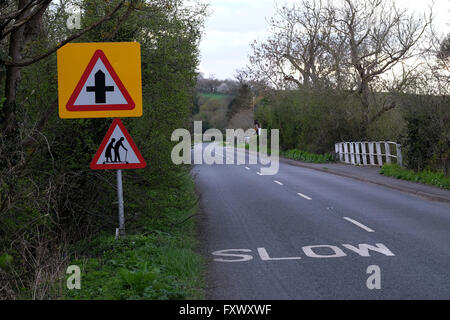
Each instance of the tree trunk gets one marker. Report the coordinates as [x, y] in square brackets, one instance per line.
[364, 93]
[16, 43]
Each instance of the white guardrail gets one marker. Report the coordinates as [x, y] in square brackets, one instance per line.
[369, 153]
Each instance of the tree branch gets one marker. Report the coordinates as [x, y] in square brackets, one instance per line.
[27, 62]
[37, 8]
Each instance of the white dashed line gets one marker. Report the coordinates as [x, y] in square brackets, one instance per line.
[304, 196]
[359, 224]
[247, 168]
[278, 182]
[259, 174]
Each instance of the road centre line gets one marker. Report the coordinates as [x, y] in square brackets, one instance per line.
[359, 224]
[304, 196]
[278, 182]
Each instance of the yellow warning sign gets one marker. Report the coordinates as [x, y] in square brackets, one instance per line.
[99, 80]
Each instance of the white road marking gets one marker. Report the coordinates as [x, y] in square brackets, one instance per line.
[359, 224]
[278, 182]
[259, 174]
[265, 256]
[247, 168]
[314, 251]
[304, 196]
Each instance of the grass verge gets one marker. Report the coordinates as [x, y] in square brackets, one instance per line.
[438, 179]
[156, 260]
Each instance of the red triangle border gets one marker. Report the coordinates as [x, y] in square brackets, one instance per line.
[94, 166]
[99, 54]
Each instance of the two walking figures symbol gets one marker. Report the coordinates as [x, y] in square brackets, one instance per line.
[114, 146]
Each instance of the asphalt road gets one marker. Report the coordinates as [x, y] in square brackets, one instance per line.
[305, 234]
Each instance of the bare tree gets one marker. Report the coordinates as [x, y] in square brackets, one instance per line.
[296, 50]
[351, 45]
[380, 36]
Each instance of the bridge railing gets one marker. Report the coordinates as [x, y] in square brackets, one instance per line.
[369, 153]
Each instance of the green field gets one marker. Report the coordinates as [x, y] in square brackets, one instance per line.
[215, 96]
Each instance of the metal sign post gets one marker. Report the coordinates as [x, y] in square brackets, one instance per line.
[120, 202]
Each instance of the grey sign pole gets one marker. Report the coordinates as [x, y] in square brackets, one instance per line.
[120, 201]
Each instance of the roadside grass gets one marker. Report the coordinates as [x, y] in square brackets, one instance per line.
[301, 155]
[438, 179]
[156, 260]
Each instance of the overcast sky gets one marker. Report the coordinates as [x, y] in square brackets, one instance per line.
[234, 24]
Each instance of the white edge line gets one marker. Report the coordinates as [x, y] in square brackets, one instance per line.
[359, 224]
[304, 196]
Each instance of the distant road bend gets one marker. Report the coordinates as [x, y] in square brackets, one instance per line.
[305, 234]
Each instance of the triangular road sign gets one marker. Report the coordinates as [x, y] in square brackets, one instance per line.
[100, 89]
[117, 150]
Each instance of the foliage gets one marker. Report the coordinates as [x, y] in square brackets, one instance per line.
[213, 111]
[309, 120]
[426, 141]
[243, 100]
[428, 177]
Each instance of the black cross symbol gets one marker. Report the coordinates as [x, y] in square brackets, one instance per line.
[100, 89]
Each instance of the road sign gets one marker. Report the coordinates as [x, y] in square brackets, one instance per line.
[99, 80]
[117, 151]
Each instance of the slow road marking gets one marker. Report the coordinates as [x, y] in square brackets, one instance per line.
[359, 224]
[315, 252]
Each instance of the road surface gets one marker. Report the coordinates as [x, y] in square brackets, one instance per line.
[305, 234]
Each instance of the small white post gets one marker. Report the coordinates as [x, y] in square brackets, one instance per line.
[346, 152]
[388, 152]
[371, 153]
[399, 154]
[364, 155]
[352, 153]
[120, 201]
[379, 154]
[357, 152]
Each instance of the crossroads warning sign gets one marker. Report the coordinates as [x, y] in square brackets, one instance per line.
[118, 150]
[99, 80]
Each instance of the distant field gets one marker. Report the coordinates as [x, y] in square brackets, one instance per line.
[217, 96]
